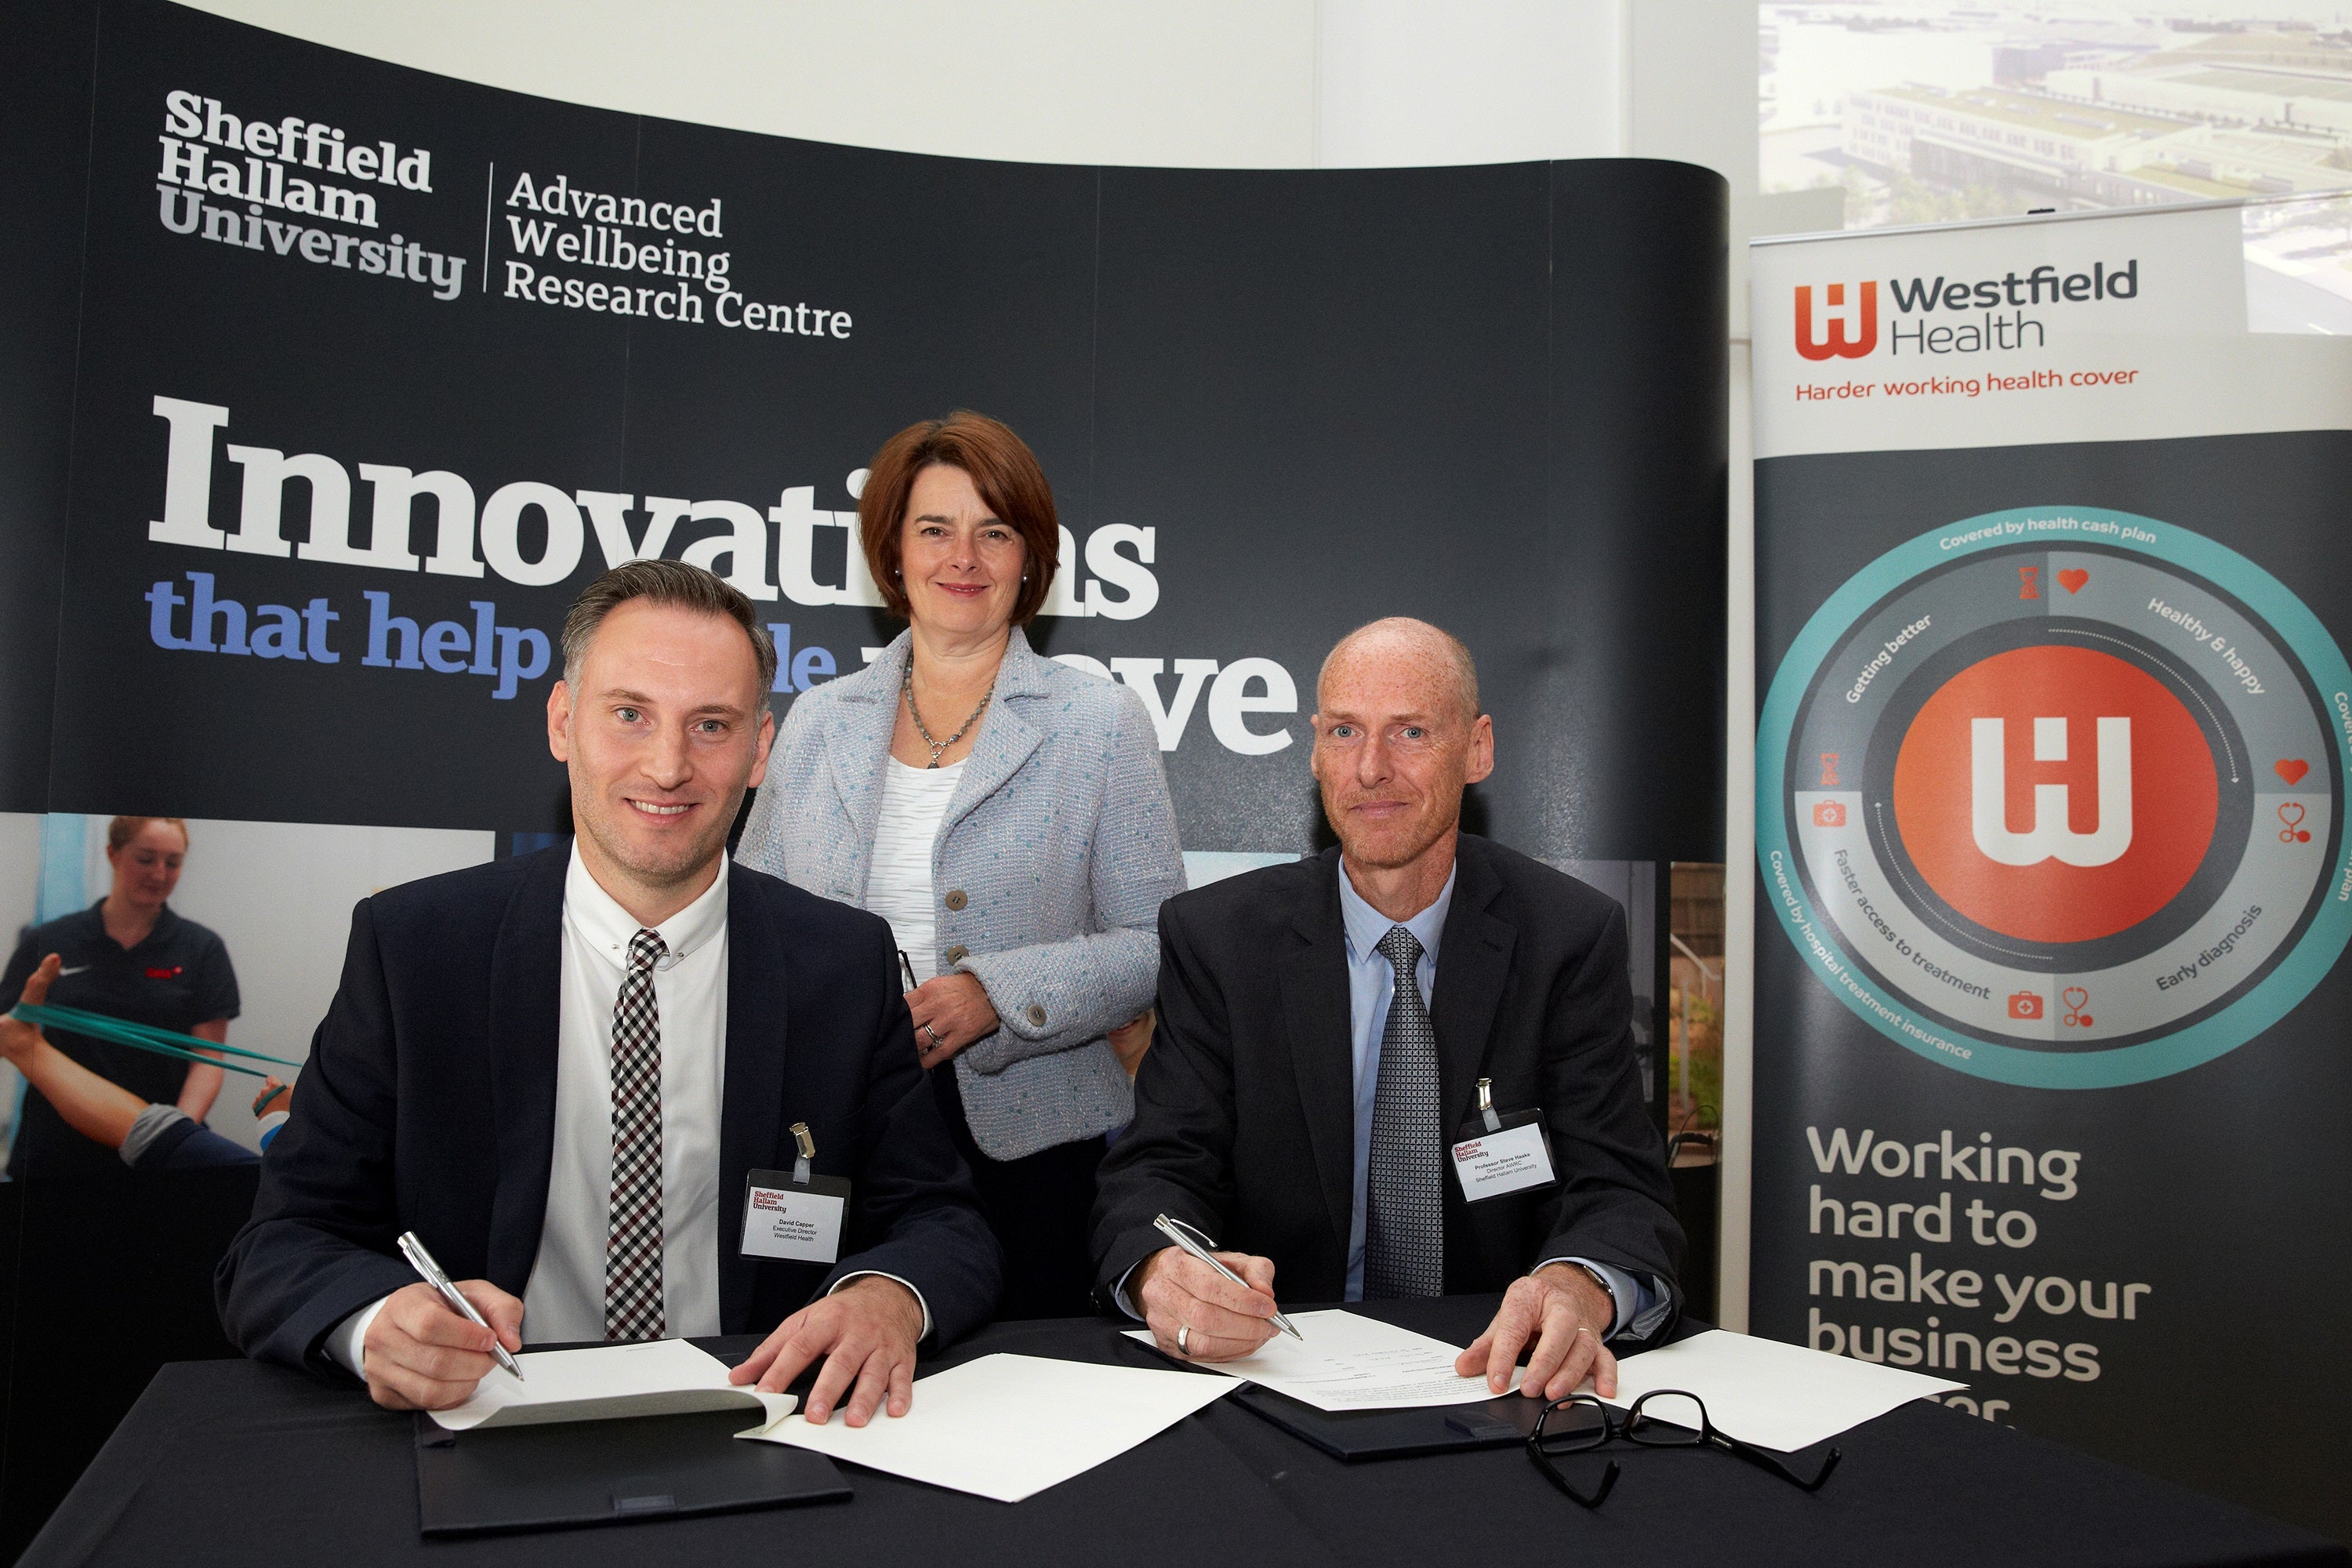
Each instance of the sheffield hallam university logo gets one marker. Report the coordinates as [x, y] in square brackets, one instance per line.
[1846, 331]
[2059, 860]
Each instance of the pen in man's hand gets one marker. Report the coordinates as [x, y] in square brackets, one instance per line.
[421, 1261]
[1175, 1231]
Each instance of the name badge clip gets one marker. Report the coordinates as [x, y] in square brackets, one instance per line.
[795, 1217]
[1499, 1153]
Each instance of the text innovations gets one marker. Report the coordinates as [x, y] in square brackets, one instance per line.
[535, 535]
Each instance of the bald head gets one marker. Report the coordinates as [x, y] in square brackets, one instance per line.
[1401, 645]
[1398, 737]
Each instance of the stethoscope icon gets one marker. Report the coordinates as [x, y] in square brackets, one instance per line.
[2076, 999]
[2293, 832]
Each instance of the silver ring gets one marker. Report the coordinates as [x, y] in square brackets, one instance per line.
[1183, 1337]
[936, 1041]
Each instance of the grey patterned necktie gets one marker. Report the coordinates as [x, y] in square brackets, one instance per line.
[1404, 1201]
[632, 1242]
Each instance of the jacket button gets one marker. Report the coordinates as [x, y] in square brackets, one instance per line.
[957, 955]
[1036, 1015]
[955, 899]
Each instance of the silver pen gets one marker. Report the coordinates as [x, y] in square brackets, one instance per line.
[421, 1261]
[1175, 1230]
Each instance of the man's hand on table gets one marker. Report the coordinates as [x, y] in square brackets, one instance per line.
[1195, 1312]
[864, 1332]
[1559, 1312]
[420, 1355]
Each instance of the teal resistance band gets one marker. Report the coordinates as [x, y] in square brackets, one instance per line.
[141, 1036]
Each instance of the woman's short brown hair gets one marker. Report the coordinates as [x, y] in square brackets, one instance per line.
[123, 829]
[1002, 469]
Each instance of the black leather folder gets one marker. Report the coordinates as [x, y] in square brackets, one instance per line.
[1357, 1434]
[607, 1472]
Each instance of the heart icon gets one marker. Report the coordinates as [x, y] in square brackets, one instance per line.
[2292, 769]
[2073, 579]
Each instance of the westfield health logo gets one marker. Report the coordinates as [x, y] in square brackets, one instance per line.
[2055, 794]
[1847, 324]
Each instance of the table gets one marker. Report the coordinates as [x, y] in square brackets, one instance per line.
[230, 1462]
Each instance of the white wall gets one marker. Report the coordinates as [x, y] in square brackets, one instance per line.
[1403, 82]
[280, 895]
[1212, 83]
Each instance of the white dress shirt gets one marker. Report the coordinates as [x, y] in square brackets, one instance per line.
[564, 1299]
[898, 882]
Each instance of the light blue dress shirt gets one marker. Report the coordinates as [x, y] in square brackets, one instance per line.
[1371, 986]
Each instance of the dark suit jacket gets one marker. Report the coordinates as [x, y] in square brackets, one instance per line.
[428, 1104]
[1244, 1118]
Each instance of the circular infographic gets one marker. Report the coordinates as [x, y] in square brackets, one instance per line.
[2054, 797]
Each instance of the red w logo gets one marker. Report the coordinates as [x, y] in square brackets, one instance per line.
[1835, 344]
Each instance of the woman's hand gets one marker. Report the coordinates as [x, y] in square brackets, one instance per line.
[19, 1040]
[951, 1013]
[1131, 1040]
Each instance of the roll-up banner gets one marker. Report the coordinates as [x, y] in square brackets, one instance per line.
[2051, 1080]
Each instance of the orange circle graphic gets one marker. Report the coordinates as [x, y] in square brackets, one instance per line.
[2032, 811]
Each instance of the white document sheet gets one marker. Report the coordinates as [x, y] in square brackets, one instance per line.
[1008, 1427]
[1344, 1362]
[606, 1383]
[1775, 1395]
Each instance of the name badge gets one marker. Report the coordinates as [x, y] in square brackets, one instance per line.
[797, 1221]
[1499, 1154]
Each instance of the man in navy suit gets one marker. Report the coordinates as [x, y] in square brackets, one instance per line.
[560, 1071]
[1402, 1067]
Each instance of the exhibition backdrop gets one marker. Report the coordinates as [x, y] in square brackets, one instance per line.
[371, 371]
[327, 384]
[2052, 1085]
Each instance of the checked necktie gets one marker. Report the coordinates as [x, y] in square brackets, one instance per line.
[633, 1243]
[1404, 1201]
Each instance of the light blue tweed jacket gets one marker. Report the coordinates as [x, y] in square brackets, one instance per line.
[1051, 864]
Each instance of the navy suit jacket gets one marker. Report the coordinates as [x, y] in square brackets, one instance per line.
[1244, 1118]
[428, 1104]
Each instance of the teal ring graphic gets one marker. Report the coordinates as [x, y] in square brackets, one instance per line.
[2269, 1000]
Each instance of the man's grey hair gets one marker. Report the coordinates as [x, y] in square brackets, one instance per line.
[664, 583]
[1464, 670]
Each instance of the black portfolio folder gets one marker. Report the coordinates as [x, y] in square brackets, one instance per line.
[1355, 1434]
[604, 1472]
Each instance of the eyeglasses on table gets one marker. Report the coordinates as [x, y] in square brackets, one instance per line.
[1662, 1418]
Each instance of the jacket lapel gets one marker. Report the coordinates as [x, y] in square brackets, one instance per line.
[1315, 1014]
[1473, 961]
[857, 739]
[526, 991]
[751, 1102]
[1005, 739]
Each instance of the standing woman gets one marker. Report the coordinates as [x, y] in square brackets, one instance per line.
[1009, 816]
[128, 956]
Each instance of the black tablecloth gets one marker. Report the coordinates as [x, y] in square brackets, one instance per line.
[229, 1462]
